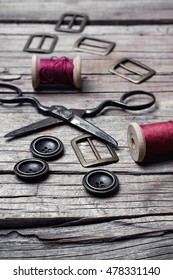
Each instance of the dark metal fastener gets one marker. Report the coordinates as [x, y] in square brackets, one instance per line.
[122, 63]
[101, 182]
[47, 147]
[74, 18]
[42, 37]
[31, 169]
[85, 44]
[98, 161]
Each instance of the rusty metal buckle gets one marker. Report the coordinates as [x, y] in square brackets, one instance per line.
[122, 64]
[98, 161]
[42, 37]
[102, 48]
[68, 21]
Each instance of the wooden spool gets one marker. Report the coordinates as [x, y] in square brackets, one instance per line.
[136, 142]
[76, 72]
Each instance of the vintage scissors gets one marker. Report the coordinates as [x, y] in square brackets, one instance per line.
[59, 114]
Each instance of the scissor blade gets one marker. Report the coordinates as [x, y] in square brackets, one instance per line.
[51, 121]
[34, 127]
[68, 116]
[40, 125]
[94, 130]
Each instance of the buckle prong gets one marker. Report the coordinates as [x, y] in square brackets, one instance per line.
[41, 42]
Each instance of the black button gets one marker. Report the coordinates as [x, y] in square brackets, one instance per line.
[31, 169]
[47, 147]
[101, 182]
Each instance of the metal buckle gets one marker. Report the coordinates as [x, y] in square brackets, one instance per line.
[42, 40]
[105, 46]
[74, 19]
[99, 160]
[142, 76]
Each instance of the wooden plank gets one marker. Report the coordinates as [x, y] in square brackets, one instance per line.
[98, 85]
[56, 218]
[107, 84]
[116, 11]
[84, 229]
[141, 30]
[11, 151]
[125, 38]
[15, 246]
[150, 50]
[63, 196]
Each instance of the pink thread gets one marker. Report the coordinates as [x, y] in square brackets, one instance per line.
[56, 71]
[159, 139]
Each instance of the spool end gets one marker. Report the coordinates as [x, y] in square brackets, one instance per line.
[35, 71]
[77, 72]
[136, 142]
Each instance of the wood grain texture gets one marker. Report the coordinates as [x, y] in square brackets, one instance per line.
[114, 11]
[63, 196]
[139, 248]
[57, 218]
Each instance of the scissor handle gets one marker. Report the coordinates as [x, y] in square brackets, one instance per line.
[19, 99]
[138, 106]
[10, 86]
[121, 104]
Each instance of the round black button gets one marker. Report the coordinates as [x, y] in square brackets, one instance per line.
[31, 169]
[47, 147]
[101, 182]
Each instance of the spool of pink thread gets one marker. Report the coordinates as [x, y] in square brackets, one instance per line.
[56, 71]
[150, 141]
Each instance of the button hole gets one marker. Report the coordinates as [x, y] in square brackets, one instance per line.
[30, 170]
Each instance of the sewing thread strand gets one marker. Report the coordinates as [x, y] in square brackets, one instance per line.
[56, 71]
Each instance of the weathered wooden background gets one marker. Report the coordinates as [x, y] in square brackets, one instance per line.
[57, 219]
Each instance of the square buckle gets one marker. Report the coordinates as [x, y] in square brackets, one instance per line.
[99, 161]
[102, 48]
[39, 48]
[142, 76]
[72, 22]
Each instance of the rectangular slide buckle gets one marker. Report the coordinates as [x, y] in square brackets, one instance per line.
[42, 37]
[99, 161]
[142, 76]
[72, 22]
[103, 48]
